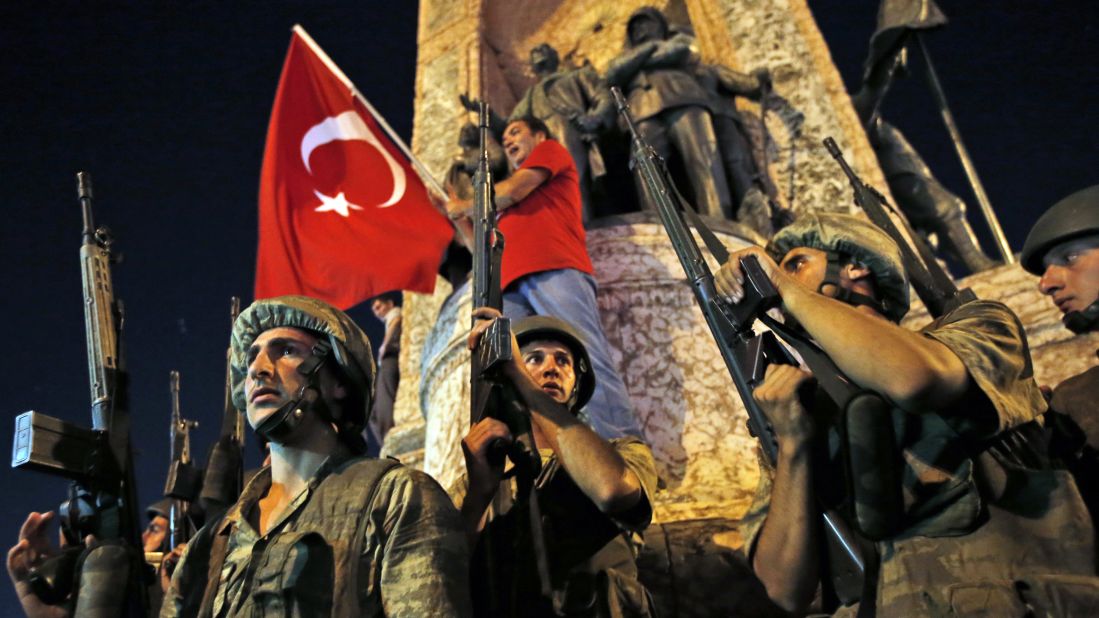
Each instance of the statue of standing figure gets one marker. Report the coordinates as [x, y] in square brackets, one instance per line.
[929, 206]
[574, 104]
[656, 72]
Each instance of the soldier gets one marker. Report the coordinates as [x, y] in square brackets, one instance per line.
[669, 105]
[985, 524]
[593, 493]
[322, 530]
[1063, 248]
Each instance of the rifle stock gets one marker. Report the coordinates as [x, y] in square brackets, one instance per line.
[746, 354]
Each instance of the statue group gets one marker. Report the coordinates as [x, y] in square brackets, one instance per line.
[685, 108]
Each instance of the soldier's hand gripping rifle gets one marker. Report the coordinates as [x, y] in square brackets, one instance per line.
[746, 354]
[934, 287]
[491, 394]
[184, 479]
[102, 497]
[224, 477]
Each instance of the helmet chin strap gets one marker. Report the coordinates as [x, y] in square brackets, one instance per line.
[290, 415]
[836, 262]
[1083, 321]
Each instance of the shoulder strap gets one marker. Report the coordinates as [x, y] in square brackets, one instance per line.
[374, 478]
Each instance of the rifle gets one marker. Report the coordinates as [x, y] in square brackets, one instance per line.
[746, 354]
[102, 496]
[184, 478]
[934, 287]
[224, 477]
[490, 393]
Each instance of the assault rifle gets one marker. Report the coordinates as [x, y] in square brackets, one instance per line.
[102, 498]
[224, 477]
[746, 354]
[184, 479]
[490, 393]
[934, 287]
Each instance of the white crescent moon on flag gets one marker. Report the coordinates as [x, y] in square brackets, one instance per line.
[350, 126]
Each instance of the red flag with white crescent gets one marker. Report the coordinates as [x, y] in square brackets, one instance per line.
[342, 214]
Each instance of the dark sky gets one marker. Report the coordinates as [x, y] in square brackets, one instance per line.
[167, 106]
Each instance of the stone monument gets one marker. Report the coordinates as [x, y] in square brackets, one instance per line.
[679, 386]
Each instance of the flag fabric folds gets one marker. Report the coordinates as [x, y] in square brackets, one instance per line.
[342, 214]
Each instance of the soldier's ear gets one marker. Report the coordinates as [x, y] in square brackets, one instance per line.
[854, 271]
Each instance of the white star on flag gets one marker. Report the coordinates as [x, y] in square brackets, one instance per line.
[338, 204]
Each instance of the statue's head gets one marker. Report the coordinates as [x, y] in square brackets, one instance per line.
[468, 136]
[646, 24]
[544, 59]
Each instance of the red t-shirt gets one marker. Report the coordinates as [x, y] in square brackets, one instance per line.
[545, 230]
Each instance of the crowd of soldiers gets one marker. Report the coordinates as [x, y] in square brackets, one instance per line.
[989, 477]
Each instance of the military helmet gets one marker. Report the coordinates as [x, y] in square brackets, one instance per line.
[1075, 216]
[350, 348]
[857, 238]
[539, 327]
[160, 508]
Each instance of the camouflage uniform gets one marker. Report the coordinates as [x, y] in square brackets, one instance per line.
[591, 554]
[367, 537]
[985, 531]
[1074, 421]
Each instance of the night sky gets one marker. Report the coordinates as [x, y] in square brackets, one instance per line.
[167, 106]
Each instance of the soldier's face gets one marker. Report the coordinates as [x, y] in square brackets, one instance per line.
[551, 365]
[1071, 277]
[519, 141]
[273, 377]
[806, 265]
[152, 539]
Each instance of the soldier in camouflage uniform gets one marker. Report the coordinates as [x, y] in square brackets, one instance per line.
[595, 495]
[986, 526]
[1063, 248]
[322, 530]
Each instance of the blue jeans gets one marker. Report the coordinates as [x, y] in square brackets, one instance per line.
[570, 295]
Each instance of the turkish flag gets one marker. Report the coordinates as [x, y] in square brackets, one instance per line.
[342, 214]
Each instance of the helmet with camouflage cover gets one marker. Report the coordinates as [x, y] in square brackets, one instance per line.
[346, 344]
[543, 327]
[845, 238]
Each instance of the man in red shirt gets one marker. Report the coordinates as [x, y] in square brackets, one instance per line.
[546, 269]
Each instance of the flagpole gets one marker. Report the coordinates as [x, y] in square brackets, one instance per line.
[420, 168]
[963, 154]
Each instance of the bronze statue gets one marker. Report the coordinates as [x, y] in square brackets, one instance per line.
[575, 105]
[929, 206]
[670, 106]
[745, 162]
